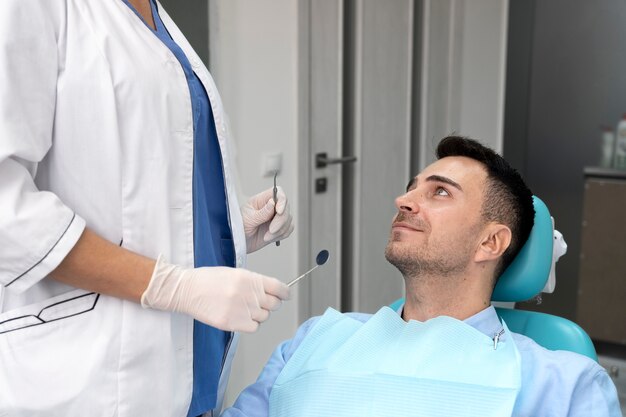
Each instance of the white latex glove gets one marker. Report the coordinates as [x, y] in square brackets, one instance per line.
[265, 222]
[230, 299]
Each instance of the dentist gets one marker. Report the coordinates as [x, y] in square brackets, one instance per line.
[121, 238]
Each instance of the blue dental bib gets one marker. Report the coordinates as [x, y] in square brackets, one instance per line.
[389, 367]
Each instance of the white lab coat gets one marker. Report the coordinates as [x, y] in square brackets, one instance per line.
[95, 129]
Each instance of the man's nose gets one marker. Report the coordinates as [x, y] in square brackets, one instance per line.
[407, 203]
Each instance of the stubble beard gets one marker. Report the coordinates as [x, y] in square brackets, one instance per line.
[413, 263]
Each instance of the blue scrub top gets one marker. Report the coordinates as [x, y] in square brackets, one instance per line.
[213, 243]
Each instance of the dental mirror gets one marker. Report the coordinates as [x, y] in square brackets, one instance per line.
[320, 259]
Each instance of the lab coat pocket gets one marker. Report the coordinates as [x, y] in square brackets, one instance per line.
[57, 355]
[48, 311]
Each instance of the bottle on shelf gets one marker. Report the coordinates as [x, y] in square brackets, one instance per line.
[619, 158]
[608, 147]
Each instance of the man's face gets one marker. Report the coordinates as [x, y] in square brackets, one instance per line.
[436, 230]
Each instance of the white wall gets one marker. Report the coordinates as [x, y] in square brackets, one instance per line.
[253, 58]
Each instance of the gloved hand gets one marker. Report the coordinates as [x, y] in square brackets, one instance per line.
[227, 298]
[264, 222]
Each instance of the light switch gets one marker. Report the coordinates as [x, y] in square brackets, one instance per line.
[271, 162]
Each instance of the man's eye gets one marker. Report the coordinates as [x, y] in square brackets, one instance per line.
[441, 191]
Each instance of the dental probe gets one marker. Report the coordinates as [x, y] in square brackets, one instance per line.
[320, 259]
[275, 192]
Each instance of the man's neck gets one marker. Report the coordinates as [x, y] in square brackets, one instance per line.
[458, 297]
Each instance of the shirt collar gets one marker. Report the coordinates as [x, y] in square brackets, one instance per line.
[485, 321]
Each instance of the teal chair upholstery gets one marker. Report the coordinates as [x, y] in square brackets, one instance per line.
[525, 278]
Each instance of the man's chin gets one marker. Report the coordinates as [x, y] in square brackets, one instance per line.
[398, 254]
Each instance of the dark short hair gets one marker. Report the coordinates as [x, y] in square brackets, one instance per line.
[507, 199]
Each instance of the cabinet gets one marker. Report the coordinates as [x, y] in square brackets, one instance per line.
[602, 282]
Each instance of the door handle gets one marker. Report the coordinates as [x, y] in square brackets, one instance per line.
[322, 160]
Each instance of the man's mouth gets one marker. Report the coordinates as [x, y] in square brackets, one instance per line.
[412, 223]
[404, 225]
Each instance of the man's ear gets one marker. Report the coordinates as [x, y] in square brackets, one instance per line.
[496, 239]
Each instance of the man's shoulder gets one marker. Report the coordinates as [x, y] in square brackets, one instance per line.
[559, 382]
[546, 366]
[531, 350]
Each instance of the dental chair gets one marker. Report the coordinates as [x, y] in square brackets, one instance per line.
[524, 279]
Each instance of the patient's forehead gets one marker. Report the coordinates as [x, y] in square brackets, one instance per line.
[468, 173]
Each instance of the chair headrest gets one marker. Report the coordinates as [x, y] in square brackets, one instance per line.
[529, 271]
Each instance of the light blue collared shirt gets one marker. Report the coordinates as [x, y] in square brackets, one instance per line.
[554, 383]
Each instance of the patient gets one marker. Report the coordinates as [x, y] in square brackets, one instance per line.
[459, 225]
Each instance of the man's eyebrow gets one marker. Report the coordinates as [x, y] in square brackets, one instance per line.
[411, 183]
[446, 180]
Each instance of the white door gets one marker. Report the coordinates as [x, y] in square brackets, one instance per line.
[322, 100]
[383, 81]
[359, 103]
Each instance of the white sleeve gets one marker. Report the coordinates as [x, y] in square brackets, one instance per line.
[36, 229]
